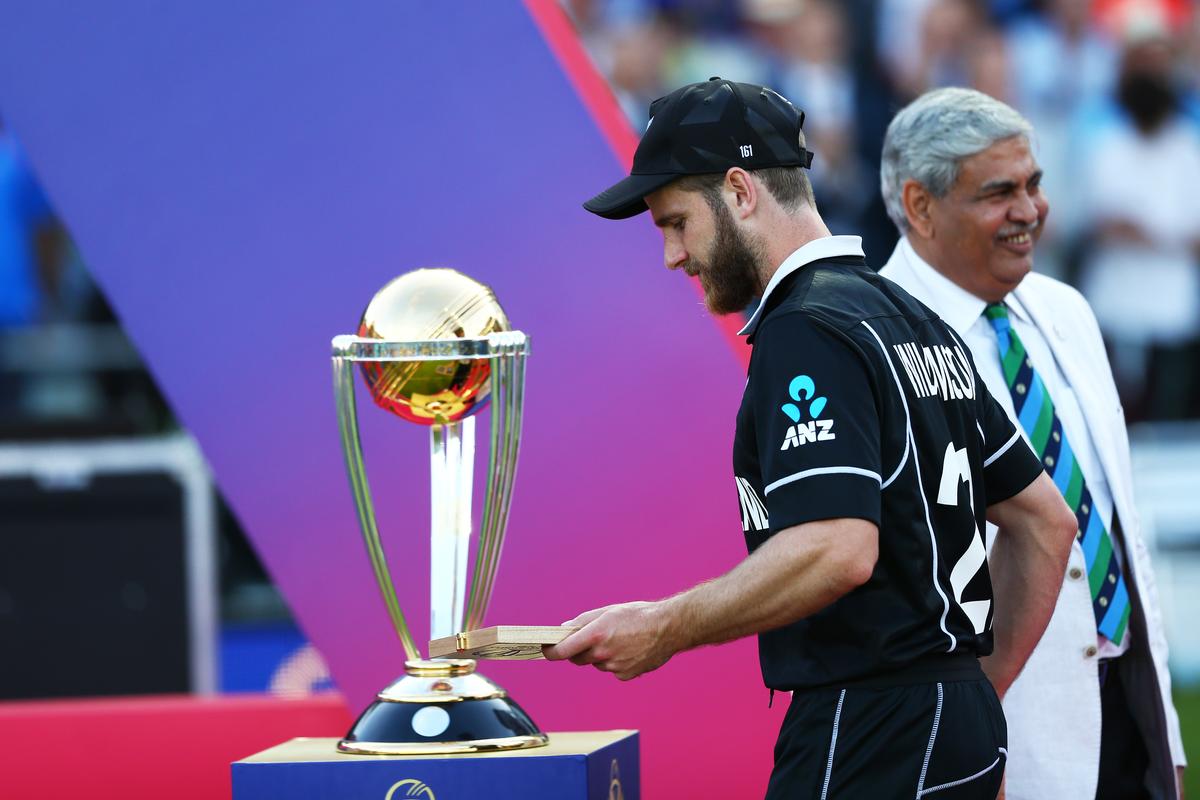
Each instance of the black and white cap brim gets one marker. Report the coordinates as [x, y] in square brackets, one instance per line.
[624, 198]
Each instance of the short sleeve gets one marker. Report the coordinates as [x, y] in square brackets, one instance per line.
[816, 423]
[1009, 463]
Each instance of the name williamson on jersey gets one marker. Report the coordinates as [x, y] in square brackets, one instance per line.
[937, 370]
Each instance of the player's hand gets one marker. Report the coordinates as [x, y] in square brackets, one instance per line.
[627, 640]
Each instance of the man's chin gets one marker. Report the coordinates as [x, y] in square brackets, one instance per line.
[1012, 269]
[721, 307]
[713, 303]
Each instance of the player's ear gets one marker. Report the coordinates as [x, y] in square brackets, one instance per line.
[918, 208]
[741, 192]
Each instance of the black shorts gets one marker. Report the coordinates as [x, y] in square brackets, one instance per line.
[945, 739]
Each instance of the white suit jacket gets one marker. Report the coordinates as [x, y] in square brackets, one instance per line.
[1053, 708]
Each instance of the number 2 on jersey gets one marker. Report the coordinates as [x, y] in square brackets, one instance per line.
[956, 468]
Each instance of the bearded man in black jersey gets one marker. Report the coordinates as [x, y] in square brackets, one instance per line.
[867, 457]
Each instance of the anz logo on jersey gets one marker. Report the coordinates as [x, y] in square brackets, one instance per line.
[803, 392]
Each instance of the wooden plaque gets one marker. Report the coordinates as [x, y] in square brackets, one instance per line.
[507, 642]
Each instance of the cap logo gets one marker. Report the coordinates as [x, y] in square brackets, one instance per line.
[747, 150]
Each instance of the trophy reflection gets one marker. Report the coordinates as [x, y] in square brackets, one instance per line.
[435, 347]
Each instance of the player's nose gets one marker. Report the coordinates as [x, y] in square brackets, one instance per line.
[1024, 209]
[674, 256]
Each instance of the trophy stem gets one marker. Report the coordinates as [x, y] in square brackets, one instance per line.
[488, 522]
[452, 454]
[508, 386]
[343, 385]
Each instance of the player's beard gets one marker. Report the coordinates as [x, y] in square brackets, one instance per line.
[730, 275]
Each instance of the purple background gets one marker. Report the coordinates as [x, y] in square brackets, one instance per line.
[242, 177]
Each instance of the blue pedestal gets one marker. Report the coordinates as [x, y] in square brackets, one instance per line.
[599, 765]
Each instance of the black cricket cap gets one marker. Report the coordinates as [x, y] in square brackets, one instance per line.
[706, 128]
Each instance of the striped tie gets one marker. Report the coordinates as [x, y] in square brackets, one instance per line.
[1110, 599]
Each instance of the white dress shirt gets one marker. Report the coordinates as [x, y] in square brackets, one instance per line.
[963, 312]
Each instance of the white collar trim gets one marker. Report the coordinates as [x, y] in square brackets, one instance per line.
[954, 304]
[817, 249]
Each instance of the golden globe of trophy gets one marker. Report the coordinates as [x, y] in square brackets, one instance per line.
[435, 348]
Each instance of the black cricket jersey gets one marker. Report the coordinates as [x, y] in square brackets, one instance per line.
[861, 402]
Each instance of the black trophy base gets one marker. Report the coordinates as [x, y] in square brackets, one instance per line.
[441, 707]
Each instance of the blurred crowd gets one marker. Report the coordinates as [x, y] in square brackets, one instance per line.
[1112, 88]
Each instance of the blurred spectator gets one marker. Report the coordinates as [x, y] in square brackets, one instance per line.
[637, 53]
[715, 44]
[66, 369]
[1060, 60]
[26, 236]
[988, 65]
[26, 231]
[1119, 15]
[898, 34]
[587, 17]
[1142, 194]
[935, 51]
[815, 72]
[1189, 62]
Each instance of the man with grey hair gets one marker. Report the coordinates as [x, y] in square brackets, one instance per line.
[1090, 715]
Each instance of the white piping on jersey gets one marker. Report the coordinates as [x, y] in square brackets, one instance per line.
[900, 466]
[912, 442]
[979, 428]
[967, 779]
[837, 718]
[1016, 435]
[808, 473]
[933, 550]
[903, 399]
[937, 718]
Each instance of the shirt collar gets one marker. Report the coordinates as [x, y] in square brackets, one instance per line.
[817, 249]
[954, 304]
[1015, 308]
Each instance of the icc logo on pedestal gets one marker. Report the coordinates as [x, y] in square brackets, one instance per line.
[410, 789]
